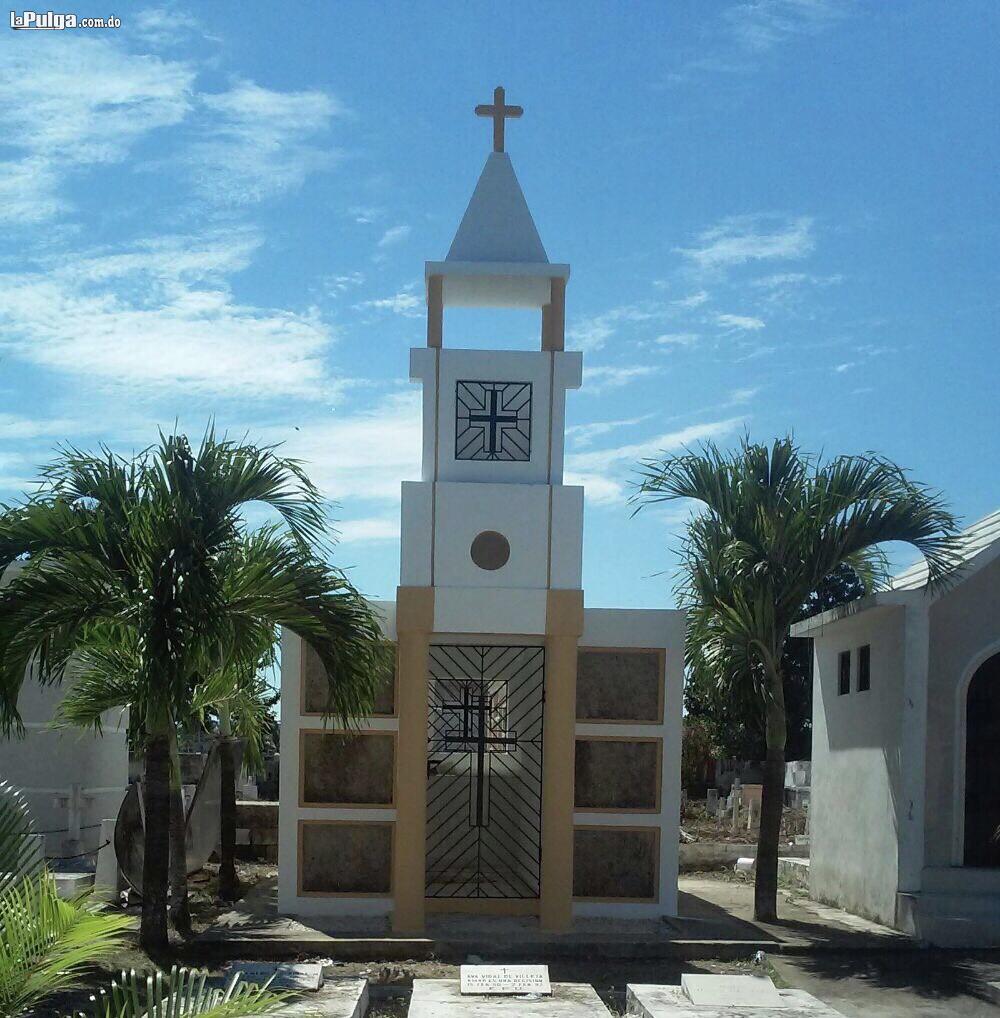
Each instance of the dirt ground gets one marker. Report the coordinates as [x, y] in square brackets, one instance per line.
[896, 984]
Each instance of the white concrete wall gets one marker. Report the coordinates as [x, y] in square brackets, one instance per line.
[857, 797]
[644, 628]
[964, 631]
[46, 764]
[289, 810]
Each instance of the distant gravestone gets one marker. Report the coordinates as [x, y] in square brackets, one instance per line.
[729, 991]
[505, 980]
[712, 801]
[653, 1001]
[287, 976]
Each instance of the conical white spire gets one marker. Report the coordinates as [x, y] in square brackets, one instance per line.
[497, 225]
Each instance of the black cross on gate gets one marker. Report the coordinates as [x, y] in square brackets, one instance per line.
[495, 419]
[476, 710]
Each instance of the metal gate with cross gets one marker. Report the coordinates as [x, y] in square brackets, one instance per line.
[484, 771]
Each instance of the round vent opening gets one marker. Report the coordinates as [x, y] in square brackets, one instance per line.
[490, 550]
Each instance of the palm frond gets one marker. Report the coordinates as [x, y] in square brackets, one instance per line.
[20, 850]
[772, 526]
[269, 576]
[182, 992]
[45, 942]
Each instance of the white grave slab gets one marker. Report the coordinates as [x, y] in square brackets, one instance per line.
[505, 980]
[287, 976]
[651, 1001]
[742, 991]
[338, 998]
[443, 998]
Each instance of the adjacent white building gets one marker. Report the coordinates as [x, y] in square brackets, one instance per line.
[71, 779]
[905, 805]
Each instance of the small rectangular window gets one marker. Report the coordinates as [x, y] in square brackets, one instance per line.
[864, 668]
[844, 674]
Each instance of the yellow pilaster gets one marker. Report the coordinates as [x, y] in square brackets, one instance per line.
[554, 317]
[414, 624]
[435, 311]
[563, 628]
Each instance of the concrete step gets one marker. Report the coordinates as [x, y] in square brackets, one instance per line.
[952, 920]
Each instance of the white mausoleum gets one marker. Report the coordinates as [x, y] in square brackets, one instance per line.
[905, 801]
[526, 760]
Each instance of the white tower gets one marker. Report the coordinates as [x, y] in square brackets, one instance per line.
[491, 526]
[526, 761]
[490, 606]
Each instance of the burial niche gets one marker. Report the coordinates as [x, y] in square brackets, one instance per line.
[982, 767]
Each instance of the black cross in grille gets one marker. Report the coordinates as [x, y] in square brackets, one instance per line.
[495, 419]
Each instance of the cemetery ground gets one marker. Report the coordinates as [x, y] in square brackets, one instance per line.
[854, 966]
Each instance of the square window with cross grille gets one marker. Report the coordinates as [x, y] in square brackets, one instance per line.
[493, 421]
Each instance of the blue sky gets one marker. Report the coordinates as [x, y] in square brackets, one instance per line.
[780, 215]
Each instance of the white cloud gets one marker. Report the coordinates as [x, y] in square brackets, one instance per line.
[362, 455]
[394, 235]
[761, 25]
[741, 239]
[336, 285]
[256, 142]
[677, 339]
[598, 489]
[584, 434]
[29, 190]
[71, 102]
[365, 214]
[694, 300]
[671, 441]
[83, 100]
[743, 323]
[780, 279]
[165, 26]
[593, 332]
[610, 377]
[405, 303]
[740, 396]
[846, 366]
[756, 353]
[14, 427]
[375, 528]
[603, 472]
[160, 316]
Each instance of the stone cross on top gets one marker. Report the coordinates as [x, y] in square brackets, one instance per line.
[499, 112]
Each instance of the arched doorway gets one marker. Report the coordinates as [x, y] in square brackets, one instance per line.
[982, 766]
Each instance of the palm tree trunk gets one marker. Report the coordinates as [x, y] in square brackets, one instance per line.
[229, 884]
[765, 903]
[156, 851]
[180, 913]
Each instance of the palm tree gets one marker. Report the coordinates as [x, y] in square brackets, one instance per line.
[155, 552]
[773, 524]
[235, 692]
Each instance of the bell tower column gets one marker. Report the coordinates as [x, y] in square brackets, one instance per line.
[563, 629]
[414, 624]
